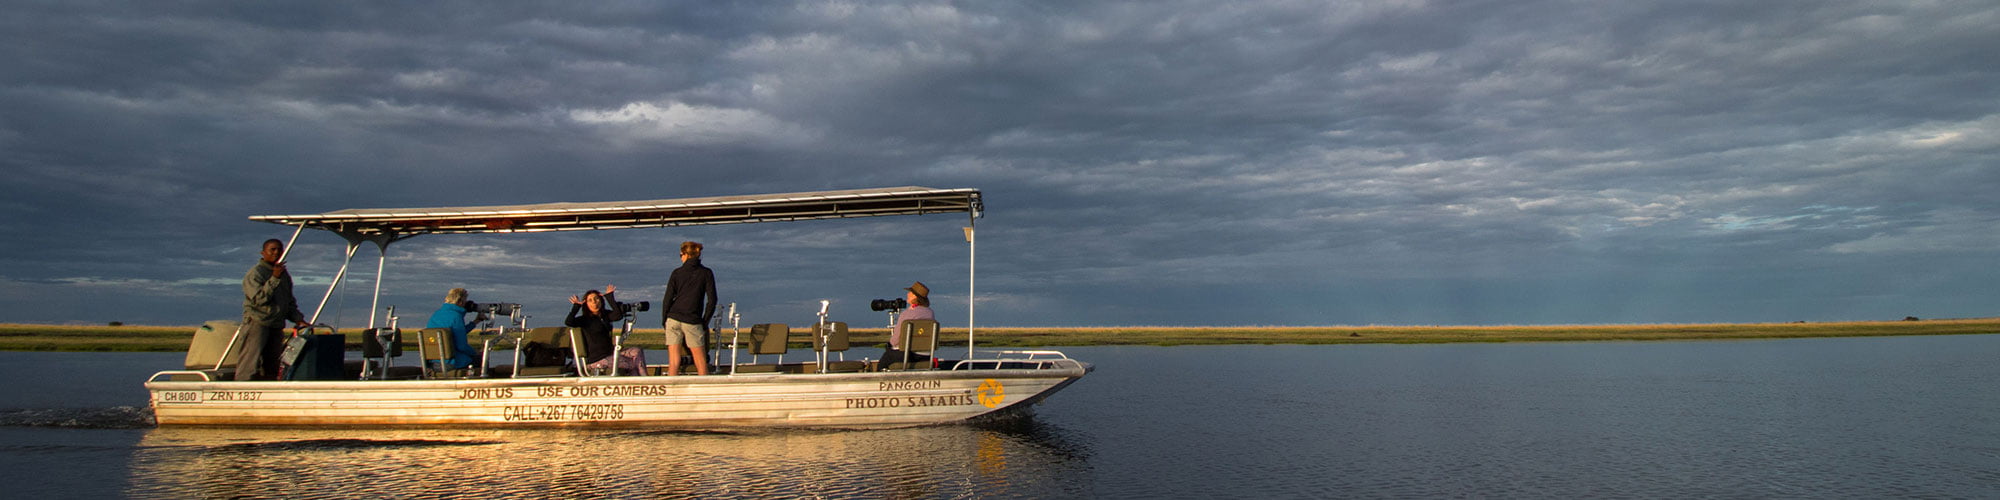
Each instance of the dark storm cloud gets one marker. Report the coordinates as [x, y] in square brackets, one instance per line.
[1145, 163]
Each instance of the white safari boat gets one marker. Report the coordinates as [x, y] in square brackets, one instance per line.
[825, 391]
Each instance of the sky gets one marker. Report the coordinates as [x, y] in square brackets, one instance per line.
[1170, 163]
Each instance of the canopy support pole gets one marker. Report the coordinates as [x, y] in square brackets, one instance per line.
[375, 304]
[288, 243]
[971, 278]
[352, 245]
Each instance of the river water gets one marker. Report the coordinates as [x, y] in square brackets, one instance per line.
[1818, 418]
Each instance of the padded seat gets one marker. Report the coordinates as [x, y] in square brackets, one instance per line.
[215, 347]
[832, 338]
[766, 338]
[919, 341]
[435, 351]
[214, 350]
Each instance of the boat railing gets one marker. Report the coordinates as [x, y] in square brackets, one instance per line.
[1024, 359]
[176, 373]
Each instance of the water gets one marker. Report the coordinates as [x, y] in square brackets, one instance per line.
[1841, 418]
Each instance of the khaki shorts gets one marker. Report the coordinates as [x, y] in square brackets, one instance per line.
[679, 333]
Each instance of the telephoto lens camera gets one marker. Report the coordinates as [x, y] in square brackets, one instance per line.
[632, 307]
[498, 310]
[888, 305]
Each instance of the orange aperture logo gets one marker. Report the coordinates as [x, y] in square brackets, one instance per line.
[991, 393]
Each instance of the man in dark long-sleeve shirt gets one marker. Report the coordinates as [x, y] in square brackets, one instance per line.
[689, 304]
[267, 303]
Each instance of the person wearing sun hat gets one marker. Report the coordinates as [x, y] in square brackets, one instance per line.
[919, 297]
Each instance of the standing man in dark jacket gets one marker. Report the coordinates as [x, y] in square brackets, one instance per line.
[267, 303]
[690, 302]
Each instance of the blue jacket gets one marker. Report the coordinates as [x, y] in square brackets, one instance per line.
[453, 316]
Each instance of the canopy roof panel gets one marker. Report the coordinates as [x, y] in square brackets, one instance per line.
[405, 222]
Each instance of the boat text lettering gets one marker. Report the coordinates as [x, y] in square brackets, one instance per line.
[180, 397]
[635, 390]
[562, 412]
[609, 391]
[235, 395]
[964, 399]
[910, 385]
[488, 393]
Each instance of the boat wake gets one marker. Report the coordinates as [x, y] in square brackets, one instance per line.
[117, 417]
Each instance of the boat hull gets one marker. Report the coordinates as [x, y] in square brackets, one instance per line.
[850, 400]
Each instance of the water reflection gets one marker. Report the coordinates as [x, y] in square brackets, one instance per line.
[1014, 457]
[1818, 418]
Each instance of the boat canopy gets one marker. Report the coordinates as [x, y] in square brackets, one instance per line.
[383, 226]
[400, 223]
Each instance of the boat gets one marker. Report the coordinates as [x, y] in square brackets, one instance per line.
[821, 392]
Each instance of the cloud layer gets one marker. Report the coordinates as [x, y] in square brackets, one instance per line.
[1402, 162]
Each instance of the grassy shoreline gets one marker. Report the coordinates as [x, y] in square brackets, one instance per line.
[31, 337]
